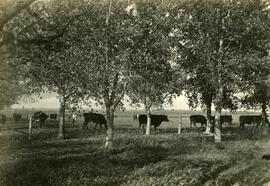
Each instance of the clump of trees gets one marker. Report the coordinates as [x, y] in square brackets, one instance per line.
[149, 50]
[214, 39]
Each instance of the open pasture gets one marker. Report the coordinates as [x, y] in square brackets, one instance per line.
[164, 158]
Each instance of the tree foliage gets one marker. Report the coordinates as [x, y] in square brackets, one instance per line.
[150, 56]
[213, 39]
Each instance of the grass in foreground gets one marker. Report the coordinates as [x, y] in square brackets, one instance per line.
[160, 159]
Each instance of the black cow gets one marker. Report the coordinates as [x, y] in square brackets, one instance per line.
[198, 119]
[226, 119]
[96, 118]
[17, 117]
[156, 120]
[40, 117]
[3, 119]
[53, 117]
[202, 120]
[223, 119]
[251, 119]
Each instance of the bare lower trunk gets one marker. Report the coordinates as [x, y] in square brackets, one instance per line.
[264, 113]
[61, 133]
[208, 118]
[217, 124]
[218, 127]
[219, 93]
[264, 117]
[30, 128]
[109, 132]
[148, 125]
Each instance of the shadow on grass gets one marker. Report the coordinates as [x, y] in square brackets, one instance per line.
[79, 167]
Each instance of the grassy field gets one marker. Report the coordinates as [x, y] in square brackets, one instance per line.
[164, 158]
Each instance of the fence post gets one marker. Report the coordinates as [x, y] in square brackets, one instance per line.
[179, 124]
[30, 128]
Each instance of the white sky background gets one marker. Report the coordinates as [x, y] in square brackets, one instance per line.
[50, 101]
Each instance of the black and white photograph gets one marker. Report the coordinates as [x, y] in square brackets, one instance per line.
[134, 92]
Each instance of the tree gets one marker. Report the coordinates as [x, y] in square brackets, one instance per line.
[45, 49]
[150, 55]
[219, 35]
[103, 36]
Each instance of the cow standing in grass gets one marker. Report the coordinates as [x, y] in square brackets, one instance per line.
[156, 120]
[17, 117]
[198, 119]
[251, 119]
[96, 118]
[53, 117]
[202, 120]
[40, 117]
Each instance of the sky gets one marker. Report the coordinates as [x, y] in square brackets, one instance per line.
[50, 101]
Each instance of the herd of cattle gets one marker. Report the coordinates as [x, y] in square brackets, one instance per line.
[156, 120]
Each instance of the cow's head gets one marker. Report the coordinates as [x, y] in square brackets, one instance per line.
[165, 118]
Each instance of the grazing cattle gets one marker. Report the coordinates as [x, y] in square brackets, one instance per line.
[198, 119]
[156, 120]
[3, 119]
[202, 120]
[40, 117]
[251, 119]
[223, 119]
[226, 119]
[17, 117]
[53, 117]
[96, 118]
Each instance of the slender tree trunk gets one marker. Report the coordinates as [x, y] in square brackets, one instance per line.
[218, 126]
[109, 110]
[264, 113]
[148, 115]
[109, 132]
[219, 96]
[208, 117]
[264, 116]
[61, 134]
[148, 125]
